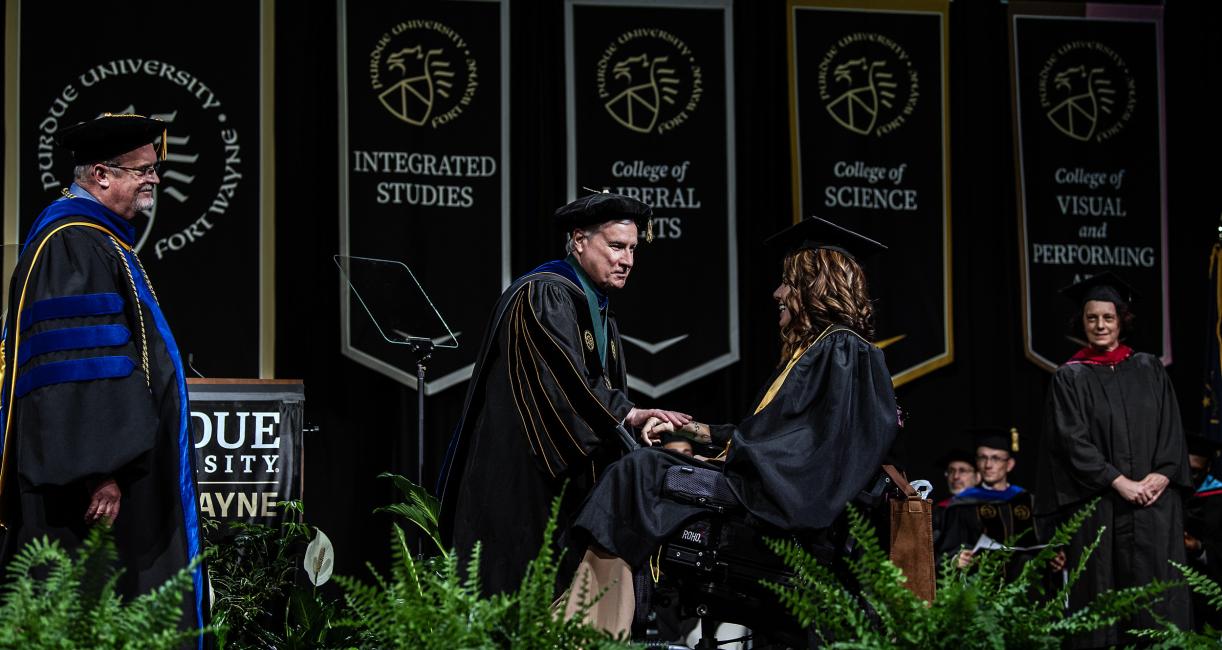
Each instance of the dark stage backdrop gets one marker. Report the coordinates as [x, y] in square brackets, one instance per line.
[368, 420]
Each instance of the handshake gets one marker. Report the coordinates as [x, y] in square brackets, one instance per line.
[652, 423]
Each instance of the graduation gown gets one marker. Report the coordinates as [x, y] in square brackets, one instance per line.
[541, 411]
[1203, 520]
[92, 389]
[1102, 421]
[1004, 515]
[794, 464]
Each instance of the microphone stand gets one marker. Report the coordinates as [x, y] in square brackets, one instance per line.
[423, 349]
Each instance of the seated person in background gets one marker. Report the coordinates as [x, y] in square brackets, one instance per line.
[1203, 524]
[818, 435]
[996, 507]
[959, 467]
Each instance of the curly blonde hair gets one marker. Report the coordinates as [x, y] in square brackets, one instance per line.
[827, 288]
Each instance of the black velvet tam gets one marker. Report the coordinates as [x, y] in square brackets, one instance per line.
[103, 138]
[600, 208]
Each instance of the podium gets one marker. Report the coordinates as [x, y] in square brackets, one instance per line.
[249, 449]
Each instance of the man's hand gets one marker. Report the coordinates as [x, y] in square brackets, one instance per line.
[1057, 563]
[965, 559]
[103, 503]
[654, 422]
[1134, 492]
[638, 417]
[1191, 544]
[1155, 484]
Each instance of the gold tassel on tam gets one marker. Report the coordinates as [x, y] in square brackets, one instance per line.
[1014, 439]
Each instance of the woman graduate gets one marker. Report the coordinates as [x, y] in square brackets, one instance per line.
[823, 423]
[1112, 431]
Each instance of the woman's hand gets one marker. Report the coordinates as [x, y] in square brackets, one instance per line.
[1134, 492]
[651, 432]
[1155, 484]
[698, 432]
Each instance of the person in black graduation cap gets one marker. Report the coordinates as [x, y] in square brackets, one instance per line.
[995, 507]
[94, 415]
[548, 395]
[818, 434]
[996, 456]
[1112, 431]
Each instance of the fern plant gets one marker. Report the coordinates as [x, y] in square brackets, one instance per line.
[977, 608]
[430, 603]
[56, 599]
[1171, 636]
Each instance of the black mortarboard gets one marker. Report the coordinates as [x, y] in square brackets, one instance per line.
[1199, 445]
[996, 438]
[110, 135]
[601, 207]
[1106, 286]
[814, 233]
[960, 455]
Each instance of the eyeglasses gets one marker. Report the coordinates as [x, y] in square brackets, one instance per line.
[984, 460]
[146, 171]
[960, 471]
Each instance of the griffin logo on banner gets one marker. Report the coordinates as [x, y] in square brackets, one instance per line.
[423, 72]
[647, 75]
[1091, 95]
[868, 83]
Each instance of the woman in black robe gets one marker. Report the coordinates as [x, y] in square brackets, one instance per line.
[1112, 431]
[821, 428]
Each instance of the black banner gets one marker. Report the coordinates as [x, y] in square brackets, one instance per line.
[650, 115]
[249, 452]
[869, 113]
[1088, 127]
[424, 142]
[204, 241]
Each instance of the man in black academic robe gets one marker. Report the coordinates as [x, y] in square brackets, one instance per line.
[547, 408]
[95, 420]
[996, 507]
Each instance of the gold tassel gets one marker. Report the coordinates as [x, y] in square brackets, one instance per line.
[1014, 439]
[649, 231]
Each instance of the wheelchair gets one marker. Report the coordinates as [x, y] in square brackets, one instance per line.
[713, 568]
